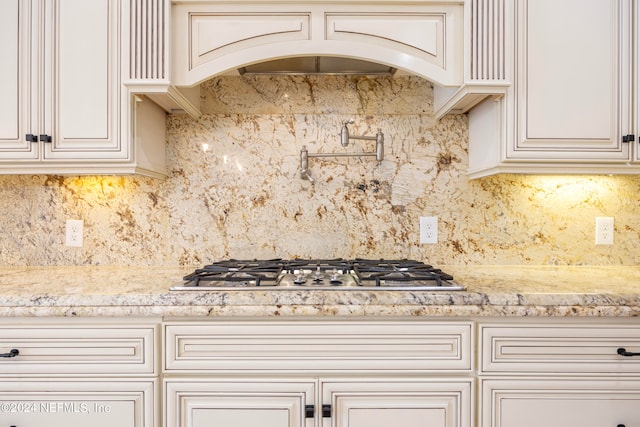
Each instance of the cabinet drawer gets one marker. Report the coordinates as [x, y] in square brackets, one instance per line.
[308, 345]
[559, 349]
[66, 349]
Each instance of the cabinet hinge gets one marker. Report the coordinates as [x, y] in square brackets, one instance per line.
[326, 411]
[629, 138]
[309, 411]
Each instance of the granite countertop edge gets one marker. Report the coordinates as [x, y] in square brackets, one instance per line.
[92, 291]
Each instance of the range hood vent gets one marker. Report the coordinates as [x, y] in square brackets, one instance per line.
[326, 65]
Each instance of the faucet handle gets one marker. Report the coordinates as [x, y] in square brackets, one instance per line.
[344, 132]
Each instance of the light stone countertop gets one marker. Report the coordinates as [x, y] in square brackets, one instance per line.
[91, 291]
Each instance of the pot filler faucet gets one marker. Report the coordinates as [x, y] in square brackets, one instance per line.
[345, 137]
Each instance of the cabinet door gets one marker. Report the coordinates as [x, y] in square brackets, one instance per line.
[402, 403]
[76, 403]
[559, 403]
[206, 403]
[572, 81]
[81, 80]
[16, 23]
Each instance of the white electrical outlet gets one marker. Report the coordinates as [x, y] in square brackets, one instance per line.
[604, 230]
[428, 229]
[73, 235]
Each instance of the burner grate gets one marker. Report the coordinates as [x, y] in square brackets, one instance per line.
[337, 273]
[237, 273]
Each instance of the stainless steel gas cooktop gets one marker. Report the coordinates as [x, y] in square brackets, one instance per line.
[334, 274]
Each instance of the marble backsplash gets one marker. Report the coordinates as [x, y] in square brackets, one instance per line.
[234, 189]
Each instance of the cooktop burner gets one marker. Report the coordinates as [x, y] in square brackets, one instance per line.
[338, 274]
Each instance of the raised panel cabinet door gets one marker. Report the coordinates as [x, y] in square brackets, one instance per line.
[76, 403]
[560, 403]
[572, 81]
[81, 79]
[238, 403]
[16, 78]
[384, 403]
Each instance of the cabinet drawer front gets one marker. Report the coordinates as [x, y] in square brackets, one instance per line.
[548, 349]
[78, 350]
[349, 345]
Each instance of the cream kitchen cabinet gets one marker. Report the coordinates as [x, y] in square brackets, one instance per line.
[383, 402]
[76, 403]
[562, 402]
[269, 403]
[73, 372]
[568, 108]
[345, 402]
[64, 107]
[554, 374]
[318, 373]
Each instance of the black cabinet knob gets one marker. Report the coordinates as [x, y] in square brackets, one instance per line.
[31, 137]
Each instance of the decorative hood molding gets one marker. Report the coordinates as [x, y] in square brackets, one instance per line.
[415, 37]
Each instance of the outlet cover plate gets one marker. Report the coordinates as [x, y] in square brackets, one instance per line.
[428, 229]
[604, 230]
[73, 233]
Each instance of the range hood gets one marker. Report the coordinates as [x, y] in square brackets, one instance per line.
[325, 65]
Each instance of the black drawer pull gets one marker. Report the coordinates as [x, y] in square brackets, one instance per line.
[623, 352]
[31, 138]
[620, 425]
[12, 353]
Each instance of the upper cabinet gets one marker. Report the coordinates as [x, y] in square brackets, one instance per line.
[64, 107]
[568, 105]
[217, 37]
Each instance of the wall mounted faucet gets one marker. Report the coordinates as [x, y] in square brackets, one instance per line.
[379, 139]
[344, 141]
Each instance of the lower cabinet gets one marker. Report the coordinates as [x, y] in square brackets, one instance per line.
[269, 403]
[527, 402]
[75, 372]
[406, 403]
[558, 372]
[77, 403]
[377, 402]
[318, 373]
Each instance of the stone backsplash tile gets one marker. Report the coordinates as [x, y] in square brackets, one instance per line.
[234, 189]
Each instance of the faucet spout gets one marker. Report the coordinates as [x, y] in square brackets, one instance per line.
[304, 165]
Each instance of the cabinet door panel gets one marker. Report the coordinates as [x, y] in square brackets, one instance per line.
[573, 80]
[244, 415]
[239, 403]
[403, 403]
[76, 403]
[558, 403]
[82, 84]
[15, 80]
